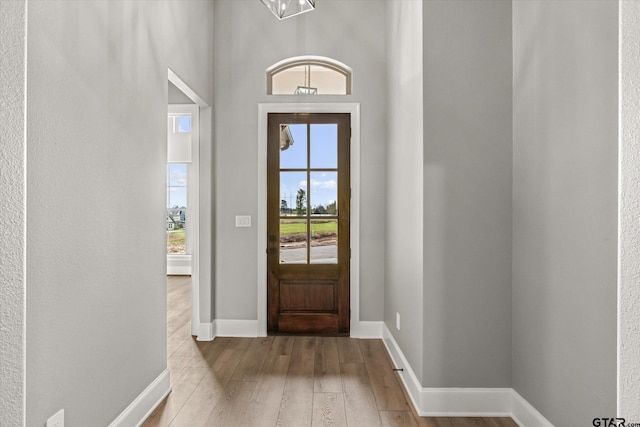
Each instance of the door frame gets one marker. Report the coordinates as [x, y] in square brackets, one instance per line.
[200, 279]
[263, 113]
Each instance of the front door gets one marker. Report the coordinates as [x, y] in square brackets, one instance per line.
[308, 206]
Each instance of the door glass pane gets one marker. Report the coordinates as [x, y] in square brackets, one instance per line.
[324, 146]
[293, 193]
[324, 241]
[293, 146]
[323, 193]
[293, 241]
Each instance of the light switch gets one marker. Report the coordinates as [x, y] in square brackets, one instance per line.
[243, 220]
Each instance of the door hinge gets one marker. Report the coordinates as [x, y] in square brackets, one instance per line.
[349, 253]
[349, 314]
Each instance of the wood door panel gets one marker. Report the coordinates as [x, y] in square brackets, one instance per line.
[301, 296]
[308, 323]
[324, 272]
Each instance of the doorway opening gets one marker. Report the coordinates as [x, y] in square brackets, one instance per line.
[187, 191]
[182, 187]
[357, 328]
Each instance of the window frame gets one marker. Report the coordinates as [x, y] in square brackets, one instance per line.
[183, 263]
[322, 61]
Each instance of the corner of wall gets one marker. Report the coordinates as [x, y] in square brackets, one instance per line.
[628, 382]
[13, 26]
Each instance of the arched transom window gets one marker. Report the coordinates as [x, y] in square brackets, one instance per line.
[309, 75]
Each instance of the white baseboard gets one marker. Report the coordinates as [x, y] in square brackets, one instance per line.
[178, 265]
[465, 402]
[461, 402]
[236, 328]
[139, 410]
[206, 331]
[366, 329]
[525, 414]
[407, 376]
[249, 328]
[227, 328]
[178, 270]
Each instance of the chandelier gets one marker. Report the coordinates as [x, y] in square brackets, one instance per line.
[287, 8]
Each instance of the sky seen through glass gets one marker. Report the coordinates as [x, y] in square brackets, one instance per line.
[323, 186]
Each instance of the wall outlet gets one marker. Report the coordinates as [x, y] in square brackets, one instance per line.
[243, 220]
[398, 321]
[57, 420]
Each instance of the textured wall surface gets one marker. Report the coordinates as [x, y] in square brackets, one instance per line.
[467, 193]
[564, 207]
[403, 265]
[629, 205]
[12, 205]
[248, 39]
[96, 242]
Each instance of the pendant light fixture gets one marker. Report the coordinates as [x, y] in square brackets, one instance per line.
[306, 89]
[287, 8]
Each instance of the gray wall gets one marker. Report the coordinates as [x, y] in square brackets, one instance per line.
[96, 115]
[13, 20]
[403, 260]
[565, 208]
[248, 39]
[467, 193]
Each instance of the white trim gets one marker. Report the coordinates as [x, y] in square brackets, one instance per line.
[323, 61]
[236, 328]
[345, 69]
[178, 270]
[227, 328]
[206, 331]
[407, 376]
[263, 111]
[525, 414]
[466, 402]
[139, 410]
[367, 329]
[184, 88]
[461, 402]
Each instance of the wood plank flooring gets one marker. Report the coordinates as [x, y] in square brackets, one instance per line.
[282, 381]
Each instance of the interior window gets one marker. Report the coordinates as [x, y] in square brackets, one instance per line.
[176, 208]
[309, 76]
[178, 170]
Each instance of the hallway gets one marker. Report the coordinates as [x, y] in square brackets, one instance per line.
[282, 381]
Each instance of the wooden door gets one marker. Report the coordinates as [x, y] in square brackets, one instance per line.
[308, 208]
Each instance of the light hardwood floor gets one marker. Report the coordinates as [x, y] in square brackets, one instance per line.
[282, 381]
